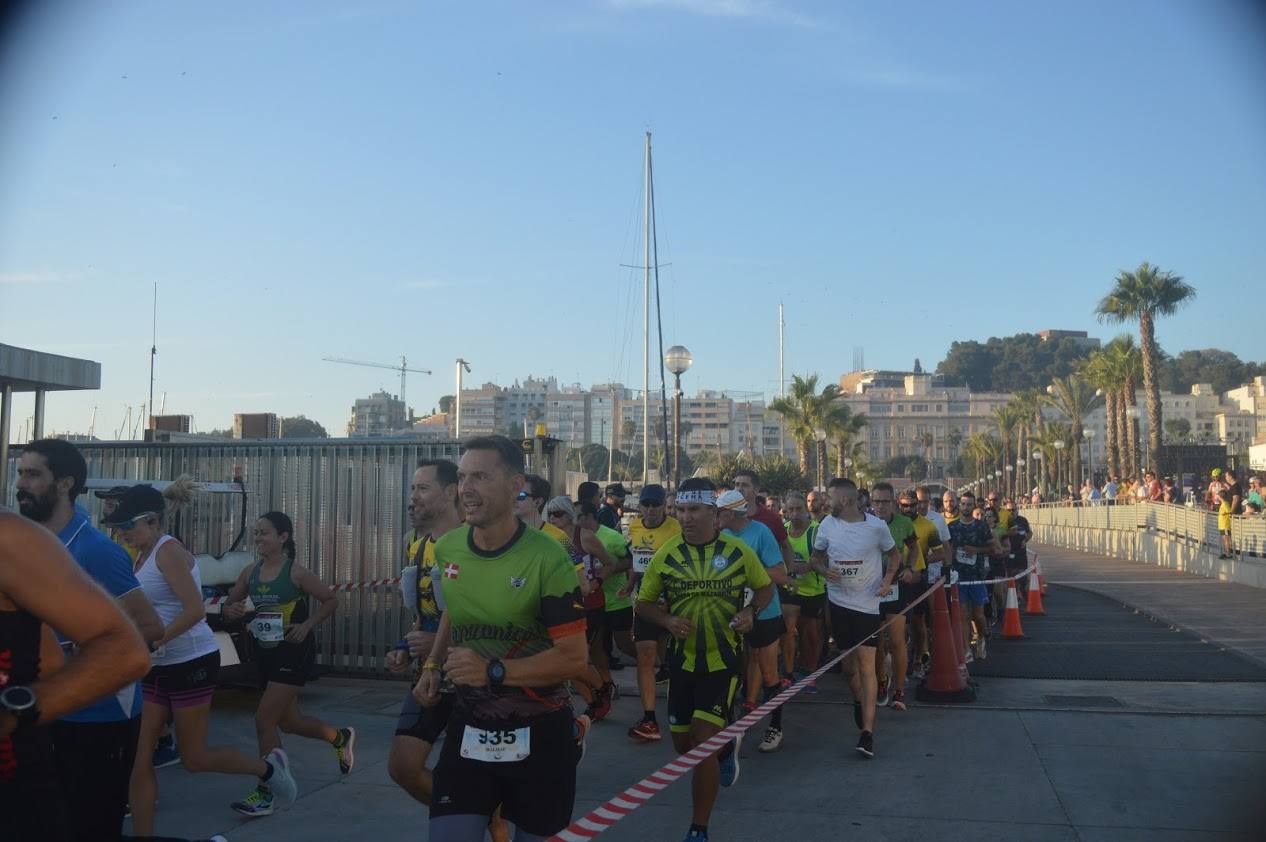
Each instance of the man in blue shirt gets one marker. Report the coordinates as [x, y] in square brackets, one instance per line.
[762, 640]
[94, 747]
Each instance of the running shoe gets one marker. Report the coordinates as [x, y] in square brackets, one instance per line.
[344, 749]
[729, 760]
[580, 731]
[884, 696]
[258, 803]
[866, 745]
[899, 700]
[810, 689]
[166, 753]
[645, 732]
[282, 783]
[772, 740]
[696, 836]
[969, 657]
[980, 649]
[601, 705]
[918, 673]
[218, 838]
[661, 675]
[785, 682]
[857, 713]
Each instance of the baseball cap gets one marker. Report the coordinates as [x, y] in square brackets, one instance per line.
[617, 489]
[136, 501]
[732, 501]
[651, 495]
[113, 493]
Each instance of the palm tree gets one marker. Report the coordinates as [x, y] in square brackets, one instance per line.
[1029, 404]
[983, 449]
[1007, 419]
[1098, 370]
[928, 441]
[842, 425]
[1141, 296]
[1125, 366]
[801, 411]
[1074, 398]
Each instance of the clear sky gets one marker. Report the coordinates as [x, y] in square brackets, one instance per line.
[380, 178]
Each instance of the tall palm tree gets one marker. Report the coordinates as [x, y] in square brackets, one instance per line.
[800, 411]
[1007, 419]
[928, 441]
[1074, 398]
[1125, 362]
[1028, 402]
[1098, 370]
[983, 449]
[1142, 296]
[842, 426]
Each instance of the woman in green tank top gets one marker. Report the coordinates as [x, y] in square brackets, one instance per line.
[282, 646]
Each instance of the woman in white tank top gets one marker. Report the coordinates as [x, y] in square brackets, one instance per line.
[186, 663]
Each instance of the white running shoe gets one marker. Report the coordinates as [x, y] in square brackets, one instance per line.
[282, 782]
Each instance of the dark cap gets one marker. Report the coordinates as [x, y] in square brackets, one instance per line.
[652, 495]
[115, 493]
[136, 501]
[617, 490]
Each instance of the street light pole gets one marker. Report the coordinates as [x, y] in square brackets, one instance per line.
[678, 360]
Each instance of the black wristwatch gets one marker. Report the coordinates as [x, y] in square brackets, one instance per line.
[496, 672]
[20, 701]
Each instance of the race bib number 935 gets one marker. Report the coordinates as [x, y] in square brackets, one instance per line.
[496, 746]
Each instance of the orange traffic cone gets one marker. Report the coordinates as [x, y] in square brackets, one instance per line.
[1034, 605]
[945, 682]
[1041, 580]
[1011, 618]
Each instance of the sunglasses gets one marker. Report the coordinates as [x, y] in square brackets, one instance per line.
[906, 505]
[132, 522]
[557, 514]
[521, 496]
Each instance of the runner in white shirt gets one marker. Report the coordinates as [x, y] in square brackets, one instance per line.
[849, 551]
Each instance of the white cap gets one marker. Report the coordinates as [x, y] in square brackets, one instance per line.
[732, 501]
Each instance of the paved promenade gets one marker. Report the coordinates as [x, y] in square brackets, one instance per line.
[1038, 758]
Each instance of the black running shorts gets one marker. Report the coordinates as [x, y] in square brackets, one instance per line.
[766, 632]
[812, 607]
[536, 794]
[850, 627]
[620, 620]
[421, 722]
[285, 663]
[644, 629]
[699, 695]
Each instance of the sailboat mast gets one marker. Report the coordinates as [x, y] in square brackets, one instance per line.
[646, 322]
[782, 375]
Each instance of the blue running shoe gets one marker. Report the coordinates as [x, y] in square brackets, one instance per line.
[729, 760]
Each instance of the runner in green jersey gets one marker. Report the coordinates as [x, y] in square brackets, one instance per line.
[806, 606]
[513, 631]
[701, 574]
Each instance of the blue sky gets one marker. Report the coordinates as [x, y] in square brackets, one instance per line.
[463, 179]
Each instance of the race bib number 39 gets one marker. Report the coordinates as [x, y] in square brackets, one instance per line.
[504, 746]
[268, 627]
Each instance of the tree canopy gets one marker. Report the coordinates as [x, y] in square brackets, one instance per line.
[1010, 363]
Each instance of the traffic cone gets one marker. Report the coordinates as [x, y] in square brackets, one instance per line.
[945, 682]
[1011, 619]
[1041, 580]
[1034, 605]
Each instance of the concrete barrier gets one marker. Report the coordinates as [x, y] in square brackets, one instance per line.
[1157, 533]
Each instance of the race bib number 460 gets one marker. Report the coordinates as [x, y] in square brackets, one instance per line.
[268, 627]
[642, 560]
[496, 746]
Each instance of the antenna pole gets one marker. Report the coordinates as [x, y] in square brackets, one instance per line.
[153, 352]
[782, 375]
[646, 321]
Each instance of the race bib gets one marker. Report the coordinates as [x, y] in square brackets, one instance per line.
[953, 577]
[934, 570]
[850, 570]
[498, 746]
[268, 627]
[964, 557]
[642, 560]
[892, 594]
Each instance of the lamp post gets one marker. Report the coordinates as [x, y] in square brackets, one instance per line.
[848, 465]
[678, 360]
[997, 481]
[1059, 463]
[1009, 486]
[1132, 414]
[819, 436]
[1041, 480]
[1090, 454]
[1019, 469]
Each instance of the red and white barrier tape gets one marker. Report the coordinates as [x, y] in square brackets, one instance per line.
[1025, 572]
[603, 817]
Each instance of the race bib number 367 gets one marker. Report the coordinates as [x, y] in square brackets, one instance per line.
[496, 746]
[848, 569]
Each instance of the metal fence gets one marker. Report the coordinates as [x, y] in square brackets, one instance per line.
[1136, 529]
[348, 501]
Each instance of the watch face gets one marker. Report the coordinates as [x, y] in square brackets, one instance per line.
[18, 698]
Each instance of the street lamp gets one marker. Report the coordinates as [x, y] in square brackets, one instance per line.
[819, 436]
[1090, 454]
[1010, 485]
[1059, 461]
[848, 465]
[678, 360]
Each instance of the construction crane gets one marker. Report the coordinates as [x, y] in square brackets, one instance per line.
[402, 368]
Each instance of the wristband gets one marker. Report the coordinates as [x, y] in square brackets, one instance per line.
[431, 665]
[403, 645]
